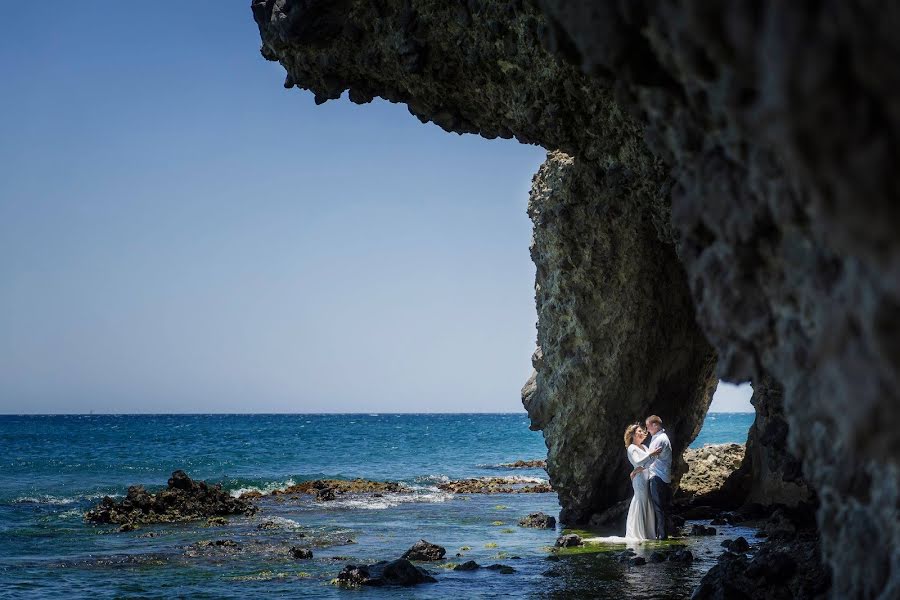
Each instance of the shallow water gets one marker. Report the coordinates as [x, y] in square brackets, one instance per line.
[53, 468]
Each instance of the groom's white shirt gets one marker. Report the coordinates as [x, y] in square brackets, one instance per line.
[662, 466]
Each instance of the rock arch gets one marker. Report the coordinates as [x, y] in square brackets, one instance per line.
[764, 137]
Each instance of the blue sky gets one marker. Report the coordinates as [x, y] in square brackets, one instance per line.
[178, 233]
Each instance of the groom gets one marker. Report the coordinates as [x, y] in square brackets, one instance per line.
[660, 472]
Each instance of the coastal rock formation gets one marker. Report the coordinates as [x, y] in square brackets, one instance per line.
[538, 520]
[423, 550]
[329, 489]
[770, 474]
[398, 572]
[616, 331]
[183, 500]
[708, 468]
[761, 140]
[495, 485]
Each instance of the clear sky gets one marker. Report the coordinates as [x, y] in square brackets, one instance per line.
[178, 233]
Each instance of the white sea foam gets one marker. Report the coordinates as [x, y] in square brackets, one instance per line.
[388, 500]
[61, 500]
[265, 489]
[283, 522]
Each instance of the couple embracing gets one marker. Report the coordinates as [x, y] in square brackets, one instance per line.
[651, 479]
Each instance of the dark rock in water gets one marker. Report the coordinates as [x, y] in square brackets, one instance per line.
[525, 464]
[503, 569]
[569, 540]
[625, 555]
[658, 557]
[538, 520]
[301, 553]
[216, 522]
[637, 561]
[183, 500]
[325, 495]
[718, 521]
[213, 547]
[494, 485]
[469, 565]
[699, 529]
[127, 527]
[683, 555]
[738, 545]
[399, 572]
[552, 573]
[778, 571]
[699, 513]
[424, 551]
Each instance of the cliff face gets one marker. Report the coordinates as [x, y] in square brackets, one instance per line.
[765, 137]
[616, 331]
[781, 122]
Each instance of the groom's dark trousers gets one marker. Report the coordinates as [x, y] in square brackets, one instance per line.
[660, 496]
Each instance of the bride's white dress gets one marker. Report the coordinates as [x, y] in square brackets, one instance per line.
[640, 524]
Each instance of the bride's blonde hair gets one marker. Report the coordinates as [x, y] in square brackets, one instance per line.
[629, 433]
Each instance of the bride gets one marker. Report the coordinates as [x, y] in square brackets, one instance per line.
[640, 524]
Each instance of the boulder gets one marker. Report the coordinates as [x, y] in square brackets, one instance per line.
[569, 540]
[183, 500]
[425, 551]
[538, 520]
[399, 572]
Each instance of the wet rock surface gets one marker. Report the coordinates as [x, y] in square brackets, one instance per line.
[183, 500]
[525, 464]
[425, 551]
[569, 540]
[538, 520]
[325, 490]
[398, 572]
[494, 485]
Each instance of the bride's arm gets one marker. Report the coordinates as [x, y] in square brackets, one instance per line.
[640, 458]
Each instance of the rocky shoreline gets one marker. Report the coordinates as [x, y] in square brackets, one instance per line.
[785, 543]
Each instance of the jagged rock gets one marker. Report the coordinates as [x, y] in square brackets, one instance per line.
[708, 468]
[658, 557]
[494, 485]
[216, 522]
[503, 569]
[399, 572]
[606, 285]
[538, 520]
[183, 500]
[423, 550]
[469, 565]
[698, 530]
[777, 571]
[525, 464]
[300, 553]
[326, 490]
[637, 561]
[569, 540]
[737, 545]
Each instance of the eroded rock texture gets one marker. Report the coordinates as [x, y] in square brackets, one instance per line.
[616, 331]
[770, 474]
[781, 121]
[775, 126]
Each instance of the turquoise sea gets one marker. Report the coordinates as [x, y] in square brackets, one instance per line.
[52, 468]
